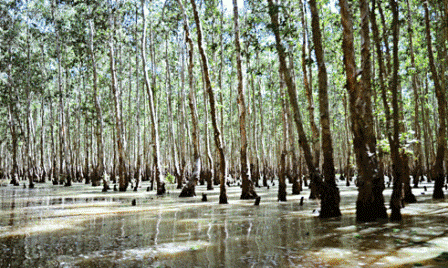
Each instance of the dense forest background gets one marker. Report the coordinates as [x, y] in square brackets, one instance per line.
[183, 91]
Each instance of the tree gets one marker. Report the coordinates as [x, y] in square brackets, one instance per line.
[99, 170]
[123, 183]
[248, 188]
[155, 130]
[313, 171]
[437, 169]
[211, 99]
[370, 201]
[330, 192]
[397, 164]
[189, 189]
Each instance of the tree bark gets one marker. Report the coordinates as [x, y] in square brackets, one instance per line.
[217, 132]
[123, 183]
[189, 188]
[99, 169]
[330, 194]
[248, 187]
[397, 169]
[12, 127]
[437, 169]
[313, 171]
[155, 129]
[418, 162]
[309, 92]
[370, 201]
[170, 115]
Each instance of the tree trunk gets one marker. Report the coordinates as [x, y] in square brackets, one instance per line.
[155, 130]
[248, 188]
[123, 183]
[170, 115]
[12, 127]
[189, 188]
[418, 162]
[397, 169]
[437, 169]
[137, 93]
[99, 169]
[330, 194]
[309, 91]
[211, 98]
[370, 202]
[182, 124]
[283, 150]
[313, 171]
[28, 115]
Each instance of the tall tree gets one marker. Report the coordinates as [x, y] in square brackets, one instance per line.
[211, 98]
[330, 192]
[397, 165]
[189, 188]
[370, 201]
[437, 169]
[308, 89]
[99, 169]
[154, 126]
[123, 182]
[248, 187]
[418, 163]
[292, 93]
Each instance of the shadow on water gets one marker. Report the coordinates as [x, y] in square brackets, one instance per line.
[49, 228]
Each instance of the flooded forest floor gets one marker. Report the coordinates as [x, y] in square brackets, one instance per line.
[79, 226]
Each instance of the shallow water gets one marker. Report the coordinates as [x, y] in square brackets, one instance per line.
[79, 226]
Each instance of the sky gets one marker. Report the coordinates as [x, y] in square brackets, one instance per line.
[228, 4]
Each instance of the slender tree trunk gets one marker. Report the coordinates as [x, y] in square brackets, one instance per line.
[137, 94]
[56, 179]
[248, 188]
[437, 169]
[43, 131]
[155, 130]
[182, 124]
[211, 98]
[313, 171]
[12, 127]
[170, 115]
[309, 91]
[123, 183]
[189, 188]
[293, 172]
[220, 78]
[68, 143]
[330, 193]
[370, 202]
[283, 151]
[397, 169]
[28, 115]
[99, 169]
[418, 162]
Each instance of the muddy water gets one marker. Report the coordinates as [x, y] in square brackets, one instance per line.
[55, 226]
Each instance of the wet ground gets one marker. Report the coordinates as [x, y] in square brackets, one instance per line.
[79, 226]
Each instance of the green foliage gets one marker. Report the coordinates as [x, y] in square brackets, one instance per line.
[170, 178]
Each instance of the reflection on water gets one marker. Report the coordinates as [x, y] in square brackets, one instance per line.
[81, 227]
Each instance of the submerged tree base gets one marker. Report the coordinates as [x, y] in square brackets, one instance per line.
[438, 188]
[188, 191]
[223, 198]
[329, 202]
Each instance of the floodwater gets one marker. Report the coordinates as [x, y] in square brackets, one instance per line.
[79, 226]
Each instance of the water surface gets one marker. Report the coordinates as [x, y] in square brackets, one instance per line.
[79, 226]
